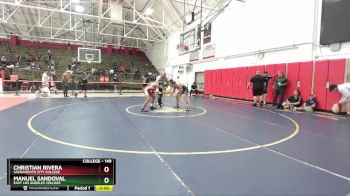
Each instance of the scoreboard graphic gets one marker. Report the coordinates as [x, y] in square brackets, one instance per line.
[89, 174]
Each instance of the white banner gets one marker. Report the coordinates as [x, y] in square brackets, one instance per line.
[194, 56]
[208, 51]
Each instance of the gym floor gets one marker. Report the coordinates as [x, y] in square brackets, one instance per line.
[220, 147]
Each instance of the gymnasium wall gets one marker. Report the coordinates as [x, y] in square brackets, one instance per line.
[283, 30]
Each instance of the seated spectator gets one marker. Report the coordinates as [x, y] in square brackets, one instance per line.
[10, 68]
[34, 66]
[93, 70]
[194, 89]
[310, 105]
[3, 60]
[52, 79]
[111, 72]
[39, 57]
[122, 68]
[293, 101]
[29, 58]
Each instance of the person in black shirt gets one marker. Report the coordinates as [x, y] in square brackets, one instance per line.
[259, 84]
[83, 81]
[267, 78]
[194, 89]
[310, 105]
[293, 101]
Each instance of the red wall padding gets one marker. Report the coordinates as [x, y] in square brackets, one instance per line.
[331, 71]
[240, 82]
[217, 82]
[224, 83]
[320, 81]
[233, 82]
[230, 77]
[293, 77]
[336, 73]
[305, 79]
[252, 72]
[271, 69]
[281, 67]
[208, 82]
[206, 76]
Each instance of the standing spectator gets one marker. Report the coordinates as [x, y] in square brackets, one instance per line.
[45, 84]
[52, 82]
[8, 50]
[115, 80]
[259, 84]
[67, 80]
[29, 58]
[83, 81]
[74, 60]
[137, 74]
[144, 80]
[18, 58]
[74, 67]
[280, 89]
[49, 56]
[69, 47]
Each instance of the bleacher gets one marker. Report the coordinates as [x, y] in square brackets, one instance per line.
[62, 57]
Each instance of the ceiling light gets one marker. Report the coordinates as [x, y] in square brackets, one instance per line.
[79, 8]
[75, 1]
[149, 11]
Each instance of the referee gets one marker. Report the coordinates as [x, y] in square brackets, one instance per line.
[161, 80]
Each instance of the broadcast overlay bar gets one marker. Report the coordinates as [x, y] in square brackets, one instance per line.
[89, 174]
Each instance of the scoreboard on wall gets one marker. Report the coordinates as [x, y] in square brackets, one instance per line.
[89, 174]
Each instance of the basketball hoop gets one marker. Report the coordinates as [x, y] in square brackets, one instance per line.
[182, 48]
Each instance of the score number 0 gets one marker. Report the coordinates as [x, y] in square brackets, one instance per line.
[106, 170]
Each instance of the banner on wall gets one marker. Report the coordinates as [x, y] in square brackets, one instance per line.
[207, 33]
[194, 56]
[208, 51]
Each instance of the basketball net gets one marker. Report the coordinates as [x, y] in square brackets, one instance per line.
[182, 48]
[88, 60]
